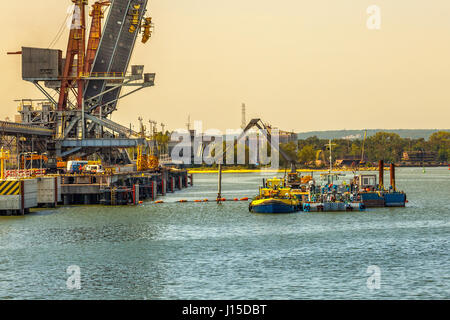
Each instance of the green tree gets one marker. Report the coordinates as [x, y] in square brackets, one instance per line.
[440, 140]
[290, 149]
[306, 155]
[385, 146]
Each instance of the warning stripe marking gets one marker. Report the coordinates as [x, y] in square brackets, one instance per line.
[9, 188]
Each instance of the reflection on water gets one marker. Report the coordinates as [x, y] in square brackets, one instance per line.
[210, 251]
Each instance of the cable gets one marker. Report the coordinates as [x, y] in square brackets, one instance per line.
[60, 32]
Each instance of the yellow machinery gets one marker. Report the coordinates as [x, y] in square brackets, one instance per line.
[144, 160]
[320, 158]
[4, 156]
[147, 27]
[135, 18]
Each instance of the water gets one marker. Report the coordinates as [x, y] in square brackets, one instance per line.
[209, 251]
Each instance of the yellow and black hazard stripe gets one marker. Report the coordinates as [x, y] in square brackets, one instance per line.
[9, 188]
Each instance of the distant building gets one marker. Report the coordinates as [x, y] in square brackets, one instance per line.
[419, 158]
[287, 137]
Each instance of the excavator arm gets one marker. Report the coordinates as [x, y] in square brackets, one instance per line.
[266, 132]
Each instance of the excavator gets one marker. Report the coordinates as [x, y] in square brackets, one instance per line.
[293, 179]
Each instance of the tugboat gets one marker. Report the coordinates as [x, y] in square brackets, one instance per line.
[275, 197]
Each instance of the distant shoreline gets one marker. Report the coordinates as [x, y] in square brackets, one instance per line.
[201, 171]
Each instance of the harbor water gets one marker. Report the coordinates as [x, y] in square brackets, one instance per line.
[221, 251]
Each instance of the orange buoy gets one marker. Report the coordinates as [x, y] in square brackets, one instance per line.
[159, 201]
[236, 199]
[182, 201]
[244, 199]
[206, 200]
[197, 200]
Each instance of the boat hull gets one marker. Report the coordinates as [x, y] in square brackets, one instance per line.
[395, 199]
[383, 199]
[333, 206]
[274, 206]
[372, 199]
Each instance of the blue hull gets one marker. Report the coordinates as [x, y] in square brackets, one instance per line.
[395, 199]
[274, 208]
[372, 199]
[385, 199]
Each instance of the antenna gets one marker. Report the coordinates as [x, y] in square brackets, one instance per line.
[243, 120]
[188, 124]
[329, 145]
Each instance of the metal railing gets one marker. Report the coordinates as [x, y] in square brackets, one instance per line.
[103, 75]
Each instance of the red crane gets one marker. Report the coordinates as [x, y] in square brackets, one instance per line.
[76, 48]
[95, 33]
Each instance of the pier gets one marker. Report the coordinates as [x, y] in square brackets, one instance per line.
[18, 196]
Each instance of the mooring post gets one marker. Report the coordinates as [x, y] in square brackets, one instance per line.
[22, 197]
[163, 186]
[381, 174]
[56, 191]
[219, 193]
[393, 176]
[136, 194]
[154, 190]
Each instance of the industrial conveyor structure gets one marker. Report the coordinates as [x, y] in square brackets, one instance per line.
[82, 90]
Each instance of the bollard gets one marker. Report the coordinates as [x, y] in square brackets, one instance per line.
[154, 190]
[56, 191]
[163, 186]
[135, 194]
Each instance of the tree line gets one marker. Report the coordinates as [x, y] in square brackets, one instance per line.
[381, 146]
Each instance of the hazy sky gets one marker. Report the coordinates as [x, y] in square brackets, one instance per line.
[298, 64]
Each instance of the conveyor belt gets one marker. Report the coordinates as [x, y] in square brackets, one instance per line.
[116, 47]
[25, 129]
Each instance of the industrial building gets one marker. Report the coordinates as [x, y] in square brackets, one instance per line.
[81, 87]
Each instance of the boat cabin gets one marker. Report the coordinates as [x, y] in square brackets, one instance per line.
[367, 181]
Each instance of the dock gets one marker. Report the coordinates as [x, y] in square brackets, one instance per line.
[18, 196]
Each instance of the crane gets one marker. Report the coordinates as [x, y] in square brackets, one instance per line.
[75, 48]
[258, 123]
[362, 149]
[97, 13]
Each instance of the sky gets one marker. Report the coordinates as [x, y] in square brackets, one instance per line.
[300, 65]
